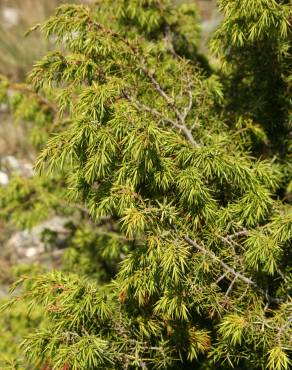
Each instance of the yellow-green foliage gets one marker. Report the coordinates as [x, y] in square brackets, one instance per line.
[180, 258]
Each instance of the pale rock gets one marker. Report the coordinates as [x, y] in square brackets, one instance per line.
[10, 16]
[4, 179]
[14, 165]
[28, 245]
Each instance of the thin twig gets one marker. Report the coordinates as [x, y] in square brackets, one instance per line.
[230, 287]
[154, 112]
[238, 233]
[143, 365]
[17, 87]
[156, 84]
[221, 277]
[229, 240]
[190, 105]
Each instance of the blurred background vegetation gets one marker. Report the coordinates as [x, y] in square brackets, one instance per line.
[17, 52]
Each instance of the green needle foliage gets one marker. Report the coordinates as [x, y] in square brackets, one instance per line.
[254, 41]
[185, 260]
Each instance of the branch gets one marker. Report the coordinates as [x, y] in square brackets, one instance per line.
[284, 328]
[189, 136]
[148, 109]
[41, 99]
[226, 267]
[230, 287]
[156, 85]
[190, 105]
[239, 233]
[229, 239]
[156, 113]
[143, 365]
[169, 41]
[180, 117]
[221, 277]
[180, 124]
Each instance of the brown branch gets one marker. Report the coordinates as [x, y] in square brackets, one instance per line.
[41, 99]
[238, 233]
[228, 239]
[283, 329]
[143, 365]
[157, 86]
[221, 278]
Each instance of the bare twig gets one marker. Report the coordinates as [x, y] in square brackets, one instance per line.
[230, 287]
[282, 275]
[154, 112]
[156, 84]
[284, 328]
[169, 41]
[225, 240]
[143, 365]
[221, 277]
[238, 233]
[190, 105]
[217, 259]
[229, 240]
